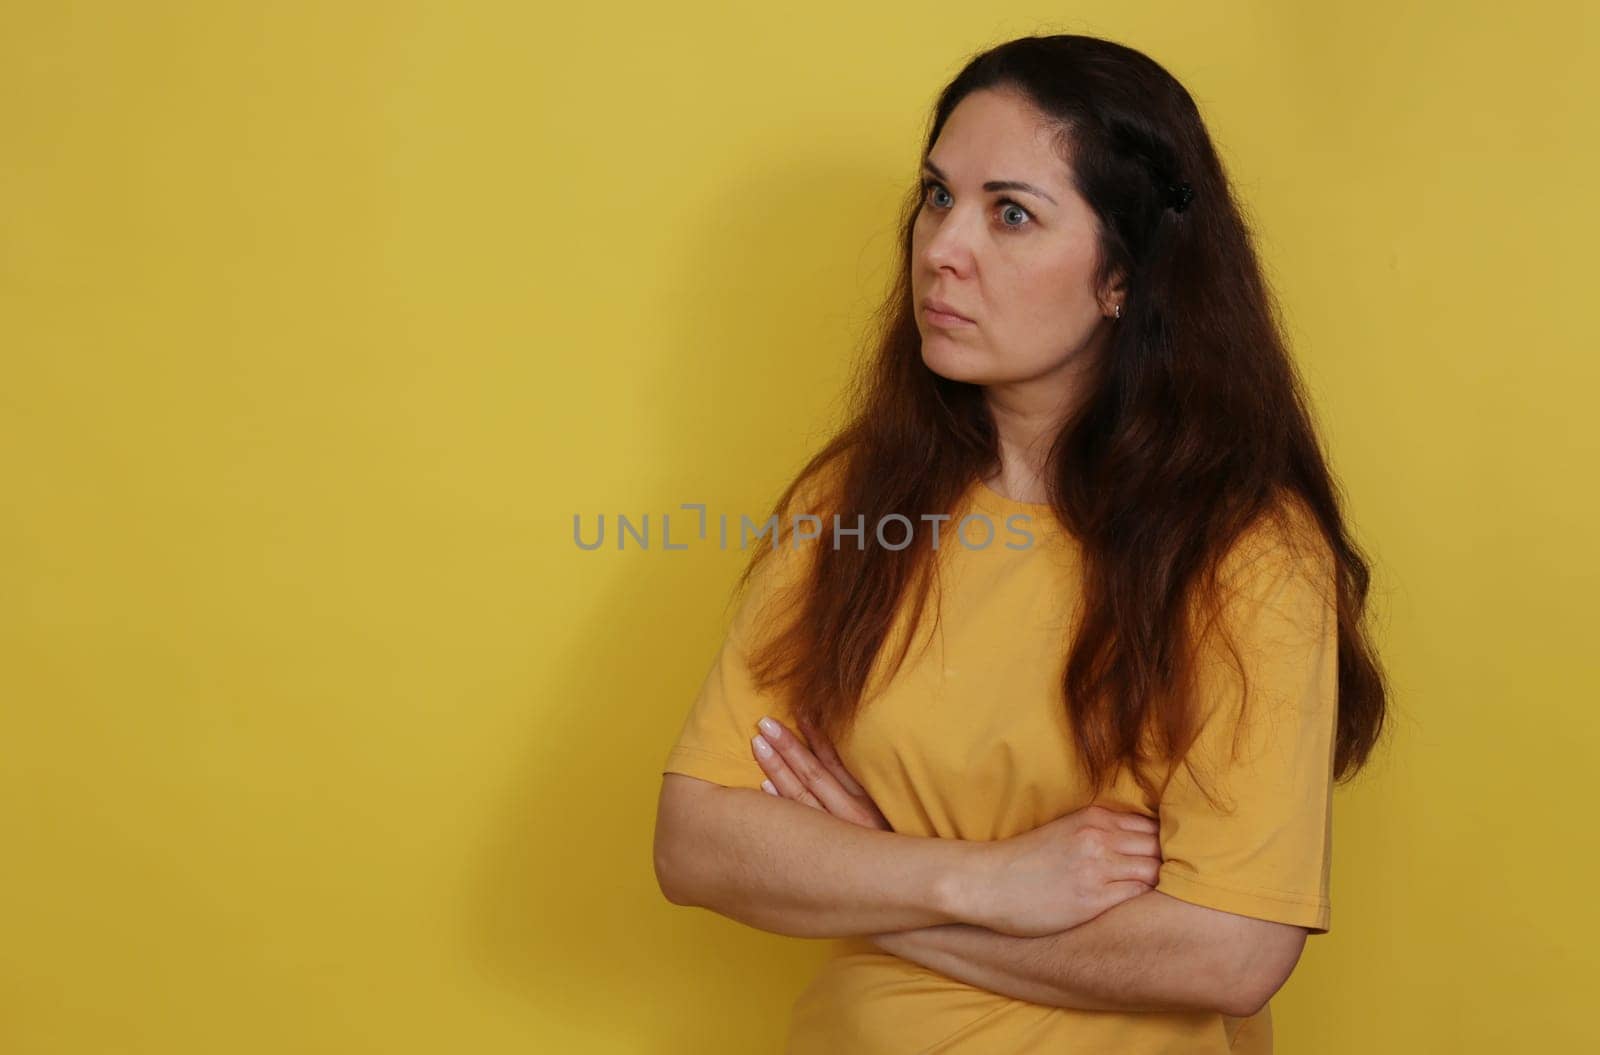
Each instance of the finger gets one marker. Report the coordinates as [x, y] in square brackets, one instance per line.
[800, 760]
[855, 811]
[1142, 869]
[1141, 843]
[1135, 822]
[783, 778]
[830, 758]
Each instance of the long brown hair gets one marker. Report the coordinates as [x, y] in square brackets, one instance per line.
[1193, 430]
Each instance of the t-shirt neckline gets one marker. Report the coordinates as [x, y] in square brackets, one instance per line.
[988, 497]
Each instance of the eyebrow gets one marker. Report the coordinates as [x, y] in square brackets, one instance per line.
[996, 184]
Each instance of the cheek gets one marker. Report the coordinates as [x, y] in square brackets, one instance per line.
[1053, 310]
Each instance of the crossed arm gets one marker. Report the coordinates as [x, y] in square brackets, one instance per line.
[1150, 952]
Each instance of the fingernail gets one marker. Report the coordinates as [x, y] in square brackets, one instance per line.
[766, 785]
[762, 747]
[770, 727]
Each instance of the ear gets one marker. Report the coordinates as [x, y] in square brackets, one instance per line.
[1113, 293]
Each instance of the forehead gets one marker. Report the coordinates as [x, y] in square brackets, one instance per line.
[999, 135]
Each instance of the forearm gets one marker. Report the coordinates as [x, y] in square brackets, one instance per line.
[790, 869]
[1149, 953]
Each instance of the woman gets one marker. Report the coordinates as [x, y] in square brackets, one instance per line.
[1080, 800]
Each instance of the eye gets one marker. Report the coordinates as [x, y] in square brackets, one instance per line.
[928, 186]
[1006, 205]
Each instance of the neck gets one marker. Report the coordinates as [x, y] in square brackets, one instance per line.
[1028, 415]
[1024, 429]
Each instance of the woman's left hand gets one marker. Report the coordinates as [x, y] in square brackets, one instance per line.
[809, 771]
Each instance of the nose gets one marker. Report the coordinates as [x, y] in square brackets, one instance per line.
[948, 243]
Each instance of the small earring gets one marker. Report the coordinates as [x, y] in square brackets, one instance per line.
[1119, 311]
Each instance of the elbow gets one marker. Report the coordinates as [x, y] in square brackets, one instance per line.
[664, 880]
[669, 876]
[1245, 1001]
[679, 848]
[1261, 972]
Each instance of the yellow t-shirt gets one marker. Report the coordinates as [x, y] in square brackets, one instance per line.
[969, 740]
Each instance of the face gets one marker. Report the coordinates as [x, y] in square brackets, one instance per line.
[1016, 261]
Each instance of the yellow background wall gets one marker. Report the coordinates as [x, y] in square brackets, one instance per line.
[320, 321]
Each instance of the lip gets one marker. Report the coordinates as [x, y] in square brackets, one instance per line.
[942, 314]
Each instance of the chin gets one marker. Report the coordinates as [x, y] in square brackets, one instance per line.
[956, 362]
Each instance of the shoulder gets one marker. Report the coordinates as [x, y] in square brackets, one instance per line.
[816, 487]
[1284, 540]
[779, 570]
[1278, 579]
[1271, 629]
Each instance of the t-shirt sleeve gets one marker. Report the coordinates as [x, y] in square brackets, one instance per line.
[1265, 748]
[714, 742]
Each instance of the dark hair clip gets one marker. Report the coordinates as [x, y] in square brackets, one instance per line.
[1178, 197]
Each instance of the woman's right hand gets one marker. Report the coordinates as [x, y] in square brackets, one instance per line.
[1064, 872]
